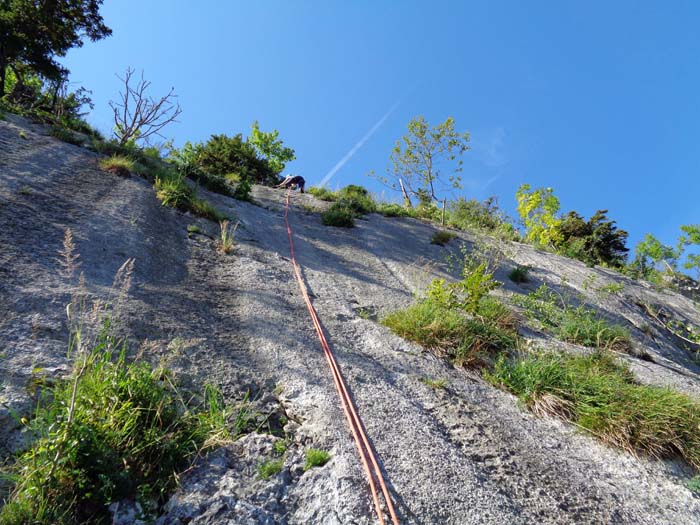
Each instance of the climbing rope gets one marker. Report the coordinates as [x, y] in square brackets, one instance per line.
[355, 423]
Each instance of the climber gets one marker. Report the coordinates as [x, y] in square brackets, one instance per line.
[293, 182]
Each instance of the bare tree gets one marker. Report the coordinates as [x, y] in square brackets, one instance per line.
[137, 116]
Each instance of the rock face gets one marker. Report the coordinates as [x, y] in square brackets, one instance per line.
[465, 454]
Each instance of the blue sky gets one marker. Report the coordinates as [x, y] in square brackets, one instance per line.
[599, 100]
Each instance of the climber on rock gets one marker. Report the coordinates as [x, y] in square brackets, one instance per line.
[293, 182]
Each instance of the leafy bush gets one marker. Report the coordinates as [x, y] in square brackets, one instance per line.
[600, 394]
[338, 215]
[323, 194]
[222, 154]
[441, 238]
[357, 199]
[114, 430]
[316, 458]
[578, 325]
[472, 214]
[596, 241]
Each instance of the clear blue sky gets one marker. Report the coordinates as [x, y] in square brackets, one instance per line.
[599, 100]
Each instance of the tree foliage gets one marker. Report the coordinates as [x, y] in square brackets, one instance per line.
[596, 241]
[426, 160]
[537, 209]
[271, 148]
[33, 33]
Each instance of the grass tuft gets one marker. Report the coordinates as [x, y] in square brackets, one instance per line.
[118, 164]
[316, 458]
[225, 244]
[519, 274]
[598, 393]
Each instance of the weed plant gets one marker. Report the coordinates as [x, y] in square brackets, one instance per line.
[580, 325]
[226, 237]
[113, 430]
[316, 458]
[599, 394]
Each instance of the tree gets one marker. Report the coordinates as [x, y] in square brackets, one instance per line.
[426, 158]
[537, 209]
[650, 253]
[596, 241]
[137, 116]
[691, 237]
[35, 32]
[267, 144]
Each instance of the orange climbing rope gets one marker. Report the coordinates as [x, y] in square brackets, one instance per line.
[363, 447]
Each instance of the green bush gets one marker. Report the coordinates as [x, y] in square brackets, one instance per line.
[172, 190]
[599, 394]
[221, 155]
[113, 430]
[357, 199]
[596, 241]
[338, 215]
[323, 194]
[394, 210]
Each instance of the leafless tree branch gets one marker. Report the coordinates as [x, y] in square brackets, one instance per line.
[137, 116]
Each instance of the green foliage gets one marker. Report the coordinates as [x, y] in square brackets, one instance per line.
[690, 237]
[113, 430]
[651, 258]
[172, 190]
[474, 215]
[271, 148]
[437, 325]
[338, 215]
[600, 394]
[596, 241]
[394, 210]
[280, 447]
[323, 194]
[33, 34]
[435, 384]
[519, 274]
[441, 238]
[222, 155]
[66, 135]
[578, 325]
[269, 468]
[537, 209]
[612, 288]
[357, 199]
[426, 158]
[316, 458]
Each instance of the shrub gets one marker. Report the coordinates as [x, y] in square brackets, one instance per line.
[66, 135]
[596, 241]
[118, 164]
[599, 394]
[323, 194]
[394, 210]
[114, 430]
[441, 238]
[472, 214]
[338, 215]
[579, 325]
[173, 191]
[357, 199]
[316, 458]
[221, 155]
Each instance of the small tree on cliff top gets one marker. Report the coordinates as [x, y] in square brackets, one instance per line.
[426, 159]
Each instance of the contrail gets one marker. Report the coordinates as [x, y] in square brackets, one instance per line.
[357, 146]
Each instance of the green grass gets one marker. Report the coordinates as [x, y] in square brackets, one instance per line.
[394, 210]
[111, 431]
[580, 325]
[280, 447]
[66, 135]
[316, 458]
[323, 193]
[599, 394]
[269, 468]
[172, 190]
[449, 332]
[339, 216]
[441, 238]
[118, 164]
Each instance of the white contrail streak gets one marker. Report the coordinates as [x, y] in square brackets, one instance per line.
[357, 146]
